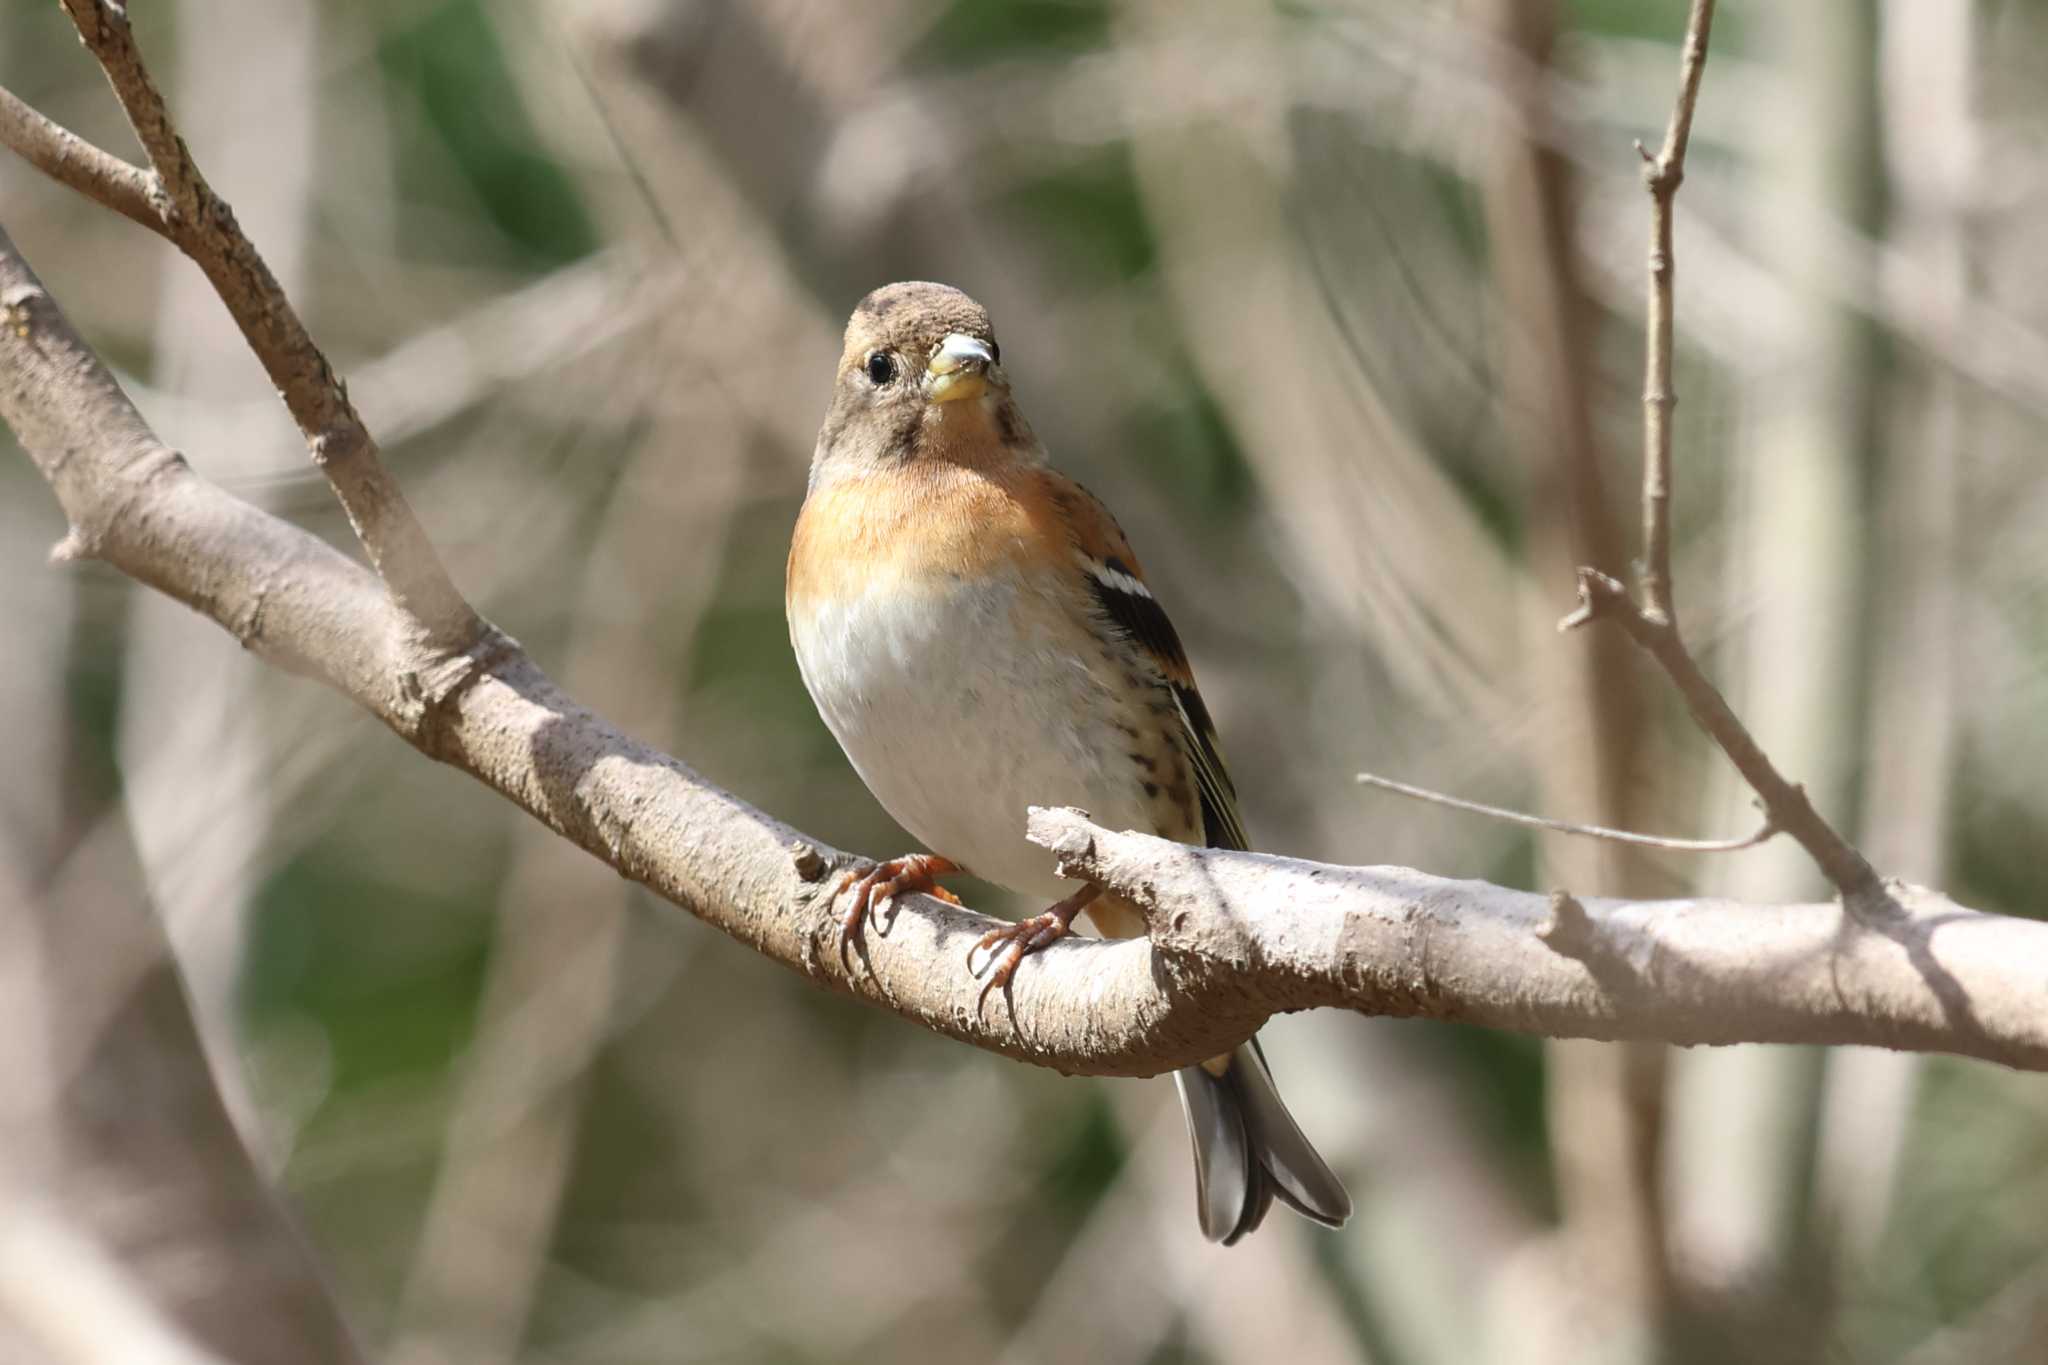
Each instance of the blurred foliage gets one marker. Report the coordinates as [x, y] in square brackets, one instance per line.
[964, 34]
[471, 131]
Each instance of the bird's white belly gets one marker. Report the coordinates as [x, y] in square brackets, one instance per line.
[962, 706]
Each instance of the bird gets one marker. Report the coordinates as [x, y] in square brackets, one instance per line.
[977, 634]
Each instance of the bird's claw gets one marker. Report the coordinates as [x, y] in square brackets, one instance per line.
[1026, 937]
[1023, 938]
[878, 884]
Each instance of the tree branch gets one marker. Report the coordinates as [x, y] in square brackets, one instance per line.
[1663, 175]
[69, 159]
[1934, 976]
[1236, 937]
[202, 225]
[1610, 835]
[491, 712]
[1786, 804]
[1653, 623]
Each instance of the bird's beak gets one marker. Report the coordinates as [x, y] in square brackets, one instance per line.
[958, 369]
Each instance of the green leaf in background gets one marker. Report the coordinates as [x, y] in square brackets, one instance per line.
[973, 31]
[451, 65]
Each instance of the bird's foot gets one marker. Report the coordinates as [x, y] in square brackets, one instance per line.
[1011, 944]
[880, 883]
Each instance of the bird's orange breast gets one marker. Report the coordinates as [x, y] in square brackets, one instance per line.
[922, 525]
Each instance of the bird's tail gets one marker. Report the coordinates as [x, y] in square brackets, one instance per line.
[1249, 1151]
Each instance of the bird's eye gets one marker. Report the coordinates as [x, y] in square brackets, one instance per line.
[995, 352]
[881, 367]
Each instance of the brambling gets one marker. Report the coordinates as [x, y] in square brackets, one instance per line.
[979, 637]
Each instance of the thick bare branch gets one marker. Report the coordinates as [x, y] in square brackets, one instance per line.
[1385, 940]
[1237, 937]
[204, 228]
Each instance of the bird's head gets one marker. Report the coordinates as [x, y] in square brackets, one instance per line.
[921, 378]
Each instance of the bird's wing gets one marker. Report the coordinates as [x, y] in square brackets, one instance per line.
[1117, 587]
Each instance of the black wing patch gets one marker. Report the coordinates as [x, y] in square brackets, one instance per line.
[1130, 606]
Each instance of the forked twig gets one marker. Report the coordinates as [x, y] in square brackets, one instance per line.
[1653, 623]
[173, 198]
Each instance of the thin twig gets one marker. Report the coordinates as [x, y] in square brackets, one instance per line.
[1616, 836]
[204, 228]
[69, 159]
[1663, 175]
[1653, 623]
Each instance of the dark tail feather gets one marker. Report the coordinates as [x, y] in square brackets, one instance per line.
[1248, 1151]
